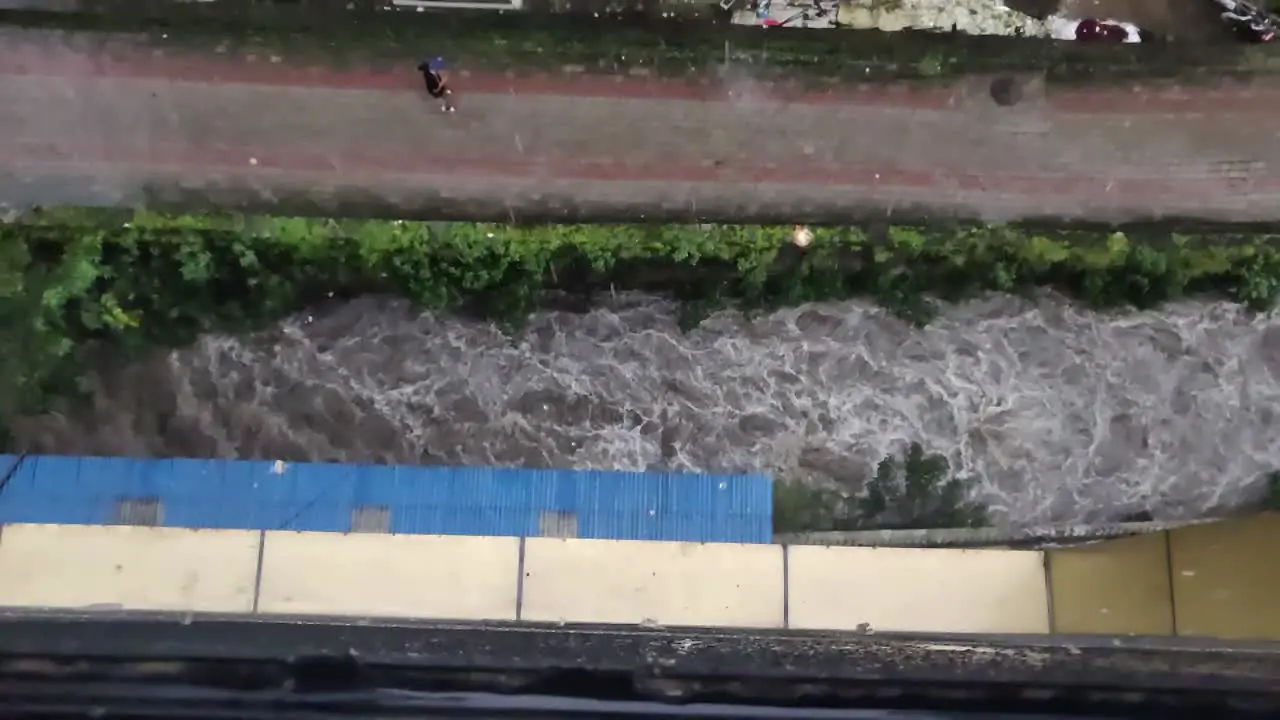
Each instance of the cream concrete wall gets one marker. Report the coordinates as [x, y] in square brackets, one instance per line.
[435, 576]
[917, 590]
[476, 578]
[145, 568]
[667, 583]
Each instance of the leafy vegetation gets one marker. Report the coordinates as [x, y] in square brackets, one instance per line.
[630, 43]
[73, 282]
[918, 490]
[914, 491]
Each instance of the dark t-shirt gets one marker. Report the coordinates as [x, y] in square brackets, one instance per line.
[435, 83]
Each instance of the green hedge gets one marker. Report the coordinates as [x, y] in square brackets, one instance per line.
[73, 279]
[621, 44]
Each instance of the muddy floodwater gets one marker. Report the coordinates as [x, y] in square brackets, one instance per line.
[1060, 413]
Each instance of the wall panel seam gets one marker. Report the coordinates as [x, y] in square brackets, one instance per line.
[1047, 564]
[520, 580]
[257, 576]
[1173, 596]
[786, 586]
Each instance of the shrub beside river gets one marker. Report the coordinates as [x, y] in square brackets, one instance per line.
[74, 282]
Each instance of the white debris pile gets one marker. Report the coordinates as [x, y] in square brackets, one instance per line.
[973, 17]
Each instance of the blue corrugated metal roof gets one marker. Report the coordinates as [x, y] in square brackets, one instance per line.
[322, 497]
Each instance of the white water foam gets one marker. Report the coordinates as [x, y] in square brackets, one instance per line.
[1063, 414]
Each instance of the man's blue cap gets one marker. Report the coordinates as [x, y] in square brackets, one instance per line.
[436, 63]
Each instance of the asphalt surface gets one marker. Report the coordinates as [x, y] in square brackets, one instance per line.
[134, 124]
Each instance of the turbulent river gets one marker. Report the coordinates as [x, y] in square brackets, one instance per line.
[1062, 414]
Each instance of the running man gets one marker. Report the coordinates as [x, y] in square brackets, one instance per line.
[436, 78]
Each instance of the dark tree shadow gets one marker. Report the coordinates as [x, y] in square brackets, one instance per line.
[1038, 9]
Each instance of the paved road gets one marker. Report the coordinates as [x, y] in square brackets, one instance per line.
[134, 123]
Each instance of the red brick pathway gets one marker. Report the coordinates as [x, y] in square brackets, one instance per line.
[135, 114]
